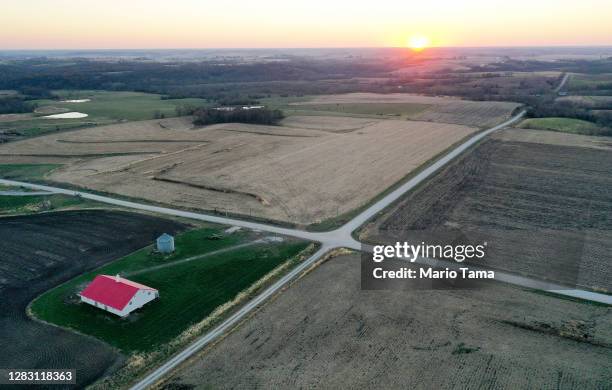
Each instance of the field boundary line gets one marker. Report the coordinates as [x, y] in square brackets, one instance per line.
[334, 239]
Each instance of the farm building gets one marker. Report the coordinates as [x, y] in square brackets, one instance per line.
[165, 243]
[117, 295]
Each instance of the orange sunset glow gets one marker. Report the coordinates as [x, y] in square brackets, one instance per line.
[48, 24]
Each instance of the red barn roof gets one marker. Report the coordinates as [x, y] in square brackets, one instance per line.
[113, 291]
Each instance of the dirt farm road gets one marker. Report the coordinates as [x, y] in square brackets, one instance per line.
[339, 238]
[562, 83]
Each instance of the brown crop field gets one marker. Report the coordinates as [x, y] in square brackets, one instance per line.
[336, 124]
[296, 174]
[333, 335]
[541, 200]
[15, 117]
[415, 107]
[554, 138]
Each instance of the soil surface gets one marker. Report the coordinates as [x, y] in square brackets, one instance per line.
[303, 173]
[441, 109]
[325, 332]
[44, 250]
[543, 207]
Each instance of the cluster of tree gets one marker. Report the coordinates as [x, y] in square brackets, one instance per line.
[225, 92]
[519, 66]
[604, 86]
[482, 88]
[262, 116]
[31, 93]
[171, 78]
[185, 109]
[237, 82]
[15, 105]
[603, 65]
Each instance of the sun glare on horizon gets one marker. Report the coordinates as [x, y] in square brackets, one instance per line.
[418, 42]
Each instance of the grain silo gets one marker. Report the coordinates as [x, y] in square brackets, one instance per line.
[165, 243]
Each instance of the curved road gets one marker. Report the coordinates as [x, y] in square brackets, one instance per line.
[339, 238]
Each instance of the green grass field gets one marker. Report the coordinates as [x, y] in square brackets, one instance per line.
[10, 204]
[131, 106]
[579, 82]
[13, 188]
[25, 171]
[189, 292]
[39, 126]
[105, 107]
[565, 125]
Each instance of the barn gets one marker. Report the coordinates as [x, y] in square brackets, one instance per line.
[117, 295]
[165, 243]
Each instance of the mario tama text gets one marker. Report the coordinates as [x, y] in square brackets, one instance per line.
[424, 266]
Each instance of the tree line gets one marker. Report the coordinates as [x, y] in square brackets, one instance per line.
[262, 116]
[15, 105]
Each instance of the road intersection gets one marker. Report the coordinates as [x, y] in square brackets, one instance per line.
[335, 239]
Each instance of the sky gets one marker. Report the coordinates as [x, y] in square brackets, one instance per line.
[129, 24]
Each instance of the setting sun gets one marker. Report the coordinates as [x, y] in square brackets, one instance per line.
[418, 42]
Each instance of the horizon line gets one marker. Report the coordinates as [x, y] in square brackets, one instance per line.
[317, 48]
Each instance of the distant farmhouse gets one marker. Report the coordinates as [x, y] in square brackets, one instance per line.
[231, 108]
[117, 295]
[165, 243]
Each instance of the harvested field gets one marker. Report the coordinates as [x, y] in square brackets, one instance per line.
[153, 137]
[327, 123]
[42, 251]
[298, 175]
[482, 114]
[15, 117]
[49, 110]
[543, 202]
[416, 107]
[555, 138]
[432, 66]
[334, 335]
[405, 110]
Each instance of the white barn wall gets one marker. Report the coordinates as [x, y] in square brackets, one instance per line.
[102, 306]
[139, 299]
